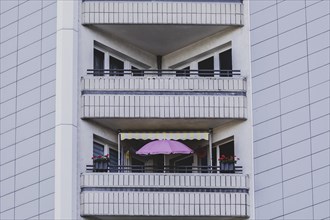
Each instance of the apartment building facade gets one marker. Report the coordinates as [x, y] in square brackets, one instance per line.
[86, 78]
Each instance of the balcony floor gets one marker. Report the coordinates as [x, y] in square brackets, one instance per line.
[163, 218]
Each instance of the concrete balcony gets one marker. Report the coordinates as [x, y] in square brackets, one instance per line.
[204, 101]
[174, 195]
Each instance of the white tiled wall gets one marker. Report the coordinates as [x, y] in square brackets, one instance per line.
[27, 106]
[291, 101]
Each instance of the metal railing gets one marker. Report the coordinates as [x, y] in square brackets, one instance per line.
[162, 169]
[230, 1]
[163, 72]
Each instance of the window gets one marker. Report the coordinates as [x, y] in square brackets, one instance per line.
[206, 67]
[98, 62]
[225, 59]
[98, 149]
[117, 66]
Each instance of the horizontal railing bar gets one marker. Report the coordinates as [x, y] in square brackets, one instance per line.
[159, 72]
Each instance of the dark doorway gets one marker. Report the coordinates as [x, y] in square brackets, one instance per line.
[226, 63]
[137, 166]
[206, 67]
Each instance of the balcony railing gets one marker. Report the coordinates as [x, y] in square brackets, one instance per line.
[201, 195]
[164, 169]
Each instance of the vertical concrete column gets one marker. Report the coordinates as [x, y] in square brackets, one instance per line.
[66, 176]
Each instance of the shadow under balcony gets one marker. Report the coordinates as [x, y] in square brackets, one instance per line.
[141, 100]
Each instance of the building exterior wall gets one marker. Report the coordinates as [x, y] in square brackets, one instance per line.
[27, 88]
[290, 77]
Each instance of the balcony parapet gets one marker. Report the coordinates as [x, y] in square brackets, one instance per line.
[153, 96]
[163, 12]
[165, 194]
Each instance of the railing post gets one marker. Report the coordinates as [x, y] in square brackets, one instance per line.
[119, 153]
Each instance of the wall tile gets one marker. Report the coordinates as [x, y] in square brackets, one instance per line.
[7, 154]
[318, 26]
[263, 32]
[27, 210]
[319, 75]
[306, 213]
[296, 134]
[47, 203]
[262, 17]
[27, 162]
[291, 21]
[28, 114]
[296, 168]
[295, 118]
[296, 151]
[266, 179]
[293, 69]
[267, 145]
[294, 101]
[7, 202]
[8, 47]
[287, 7]
[292, 37]
[293, 53]
[322, 211]
[8, 77]
[294, 186]
[291, 204]
[321, 193]
[268, 161]
[266, 96]
[270, 211]
[27, 178]
[29, 22]
[268, 195]
[321, 176]
[26, 194]
[33, 144]
[28, 130]
[320, 142]
[7, 186]
[265, 80]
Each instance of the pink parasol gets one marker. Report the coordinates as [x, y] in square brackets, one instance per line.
[164, 147]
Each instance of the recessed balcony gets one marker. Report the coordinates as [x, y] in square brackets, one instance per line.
[140, 99]
[149, 25]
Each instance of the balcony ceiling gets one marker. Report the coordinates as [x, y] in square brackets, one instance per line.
[161, 124]
[161, 39]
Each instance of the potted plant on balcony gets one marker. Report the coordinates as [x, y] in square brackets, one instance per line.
[100, 163]
[227, 163]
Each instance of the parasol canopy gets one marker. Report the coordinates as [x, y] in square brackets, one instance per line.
[164, 147]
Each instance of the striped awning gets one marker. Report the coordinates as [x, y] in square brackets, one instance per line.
[166, 136]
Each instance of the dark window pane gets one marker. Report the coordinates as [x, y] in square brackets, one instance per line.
[117, 66]
[226, 63]
[183, 72]
[206, 67]
[113, 155]
[98, 149]
[98, 61]
[137, 72]
[227, 149]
